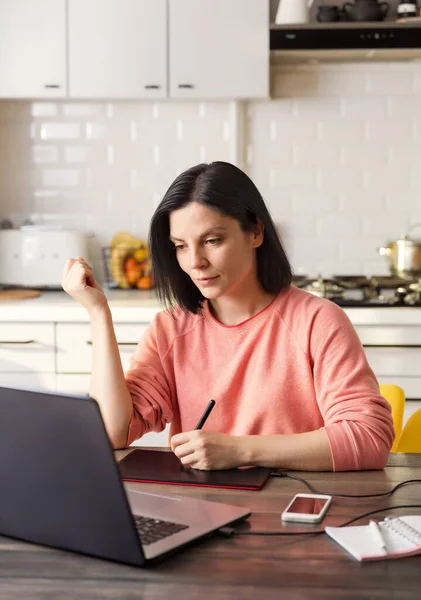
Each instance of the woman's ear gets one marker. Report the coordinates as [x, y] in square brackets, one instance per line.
[258, 234]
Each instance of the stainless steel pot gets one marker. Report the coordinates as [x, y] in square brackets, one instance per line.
[324, 288]
[404, 256]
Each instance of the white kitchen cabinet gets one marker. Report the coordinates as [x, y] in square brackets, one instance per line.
[127, 49]
[154, 439]
[73, 383]
[74, 345]
[80, 384]
[74, 362]
[27, 348]
[27, 355]
[117, 48]
[219, 48]
[394, 353]
[32, 48]
[389, 335]
[44, 381]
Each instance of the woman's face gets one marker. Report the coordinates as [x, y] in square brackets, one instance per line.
[214, 251]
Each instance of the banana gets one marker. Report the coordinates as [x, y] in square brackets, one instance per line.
[127, 238]
[140, 255]
[118, 255]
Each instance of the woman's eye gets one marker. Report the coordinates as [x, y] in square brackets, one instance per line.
[213, 241]
[178, 247]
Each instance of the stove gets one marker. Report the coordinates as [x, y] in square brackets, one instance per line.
[359, 290]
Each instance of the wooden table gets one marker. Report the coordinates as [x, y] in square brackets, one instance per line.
[243, 567]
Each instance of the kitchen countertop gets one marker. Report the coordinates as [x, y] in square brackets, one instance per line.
[136, 306]
[127, 306]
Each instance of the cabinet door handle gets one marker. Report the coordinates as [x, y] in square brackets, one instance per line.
[186, 86]
[152, 87]
[391, 346]
[89, 342]
[52, 86]
[17, 343]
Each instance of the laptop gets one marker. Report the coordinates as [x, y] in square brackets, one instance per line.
[61, 486]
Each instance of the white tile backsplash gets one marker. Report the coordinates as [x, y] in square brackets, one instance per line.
[320, 203]
[357, 250]
[365, 153]
[44, 109]
[339, 177]
[76, 154]
[335, 152]
[315, 154]
[346, 82]
[342, 226]
[44, 154]
[386, 177]
[371, 108]
[365, 202]
[385, 227]
[378, 82]
[95, 131]
[393, 130]
[339, 130]
[78, 109]
[408, 201]
[417, 82]
[60, 178]
[59, 131]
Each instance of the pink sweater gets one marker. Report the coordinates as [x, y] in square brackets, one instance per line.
[296, 366]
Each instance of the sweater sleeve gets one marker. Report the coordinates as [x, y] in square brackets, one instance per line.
[357, 418]
[149, 387]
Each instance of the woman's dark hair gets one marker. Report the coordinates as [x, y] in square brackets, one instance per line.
[226, 189]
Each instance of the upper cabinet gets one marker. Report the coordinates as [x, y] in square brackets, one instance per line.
[219, 48]
[32, 48]
[127, 49]
[117, 48]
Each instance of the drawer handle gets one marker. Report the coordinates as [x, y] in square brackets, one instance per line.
[391, 346]
[89, 342]
[26, 342]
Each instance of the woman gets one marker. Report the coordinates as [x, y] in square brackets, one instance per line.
[291, 382]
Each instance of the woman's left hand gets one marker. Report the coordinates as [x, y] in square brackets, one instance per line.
[207, 451]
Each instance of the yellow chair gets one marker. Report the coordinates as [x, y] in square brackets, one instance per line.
[396, 398]
[410, 440]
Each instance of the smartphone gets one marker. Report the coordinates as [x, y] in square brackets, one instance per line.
[307, 508]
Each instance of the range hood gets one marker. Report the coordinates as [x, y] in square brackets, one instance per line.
[345, 41]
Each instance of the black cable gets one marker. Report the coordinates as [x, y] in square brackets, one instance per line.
[319, 531]
[229, 531]
[373, 512]
[310, 487]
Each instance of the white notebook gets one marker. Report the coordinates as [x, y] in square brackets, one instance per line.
[402, 536]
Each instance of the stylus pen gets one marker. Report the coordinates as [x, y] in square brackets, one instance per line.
[205, 415]
[377, 535]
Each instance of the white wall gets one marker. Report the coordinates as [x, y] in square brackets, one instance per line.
[336, 153]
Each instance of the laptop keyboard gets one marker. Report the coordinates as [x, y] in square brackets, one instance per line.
[153, 530]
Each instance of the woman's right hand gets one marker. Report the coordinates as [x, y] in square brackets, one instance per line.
[79, 282]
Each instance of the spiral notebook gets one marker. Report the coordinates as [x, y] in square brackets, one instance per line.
[402, 536]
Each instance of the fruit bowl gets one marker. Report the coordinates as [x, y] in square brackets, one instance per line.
[127, 263]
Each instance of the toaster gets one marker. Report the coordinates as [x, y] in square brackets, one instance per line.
[34, 256]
